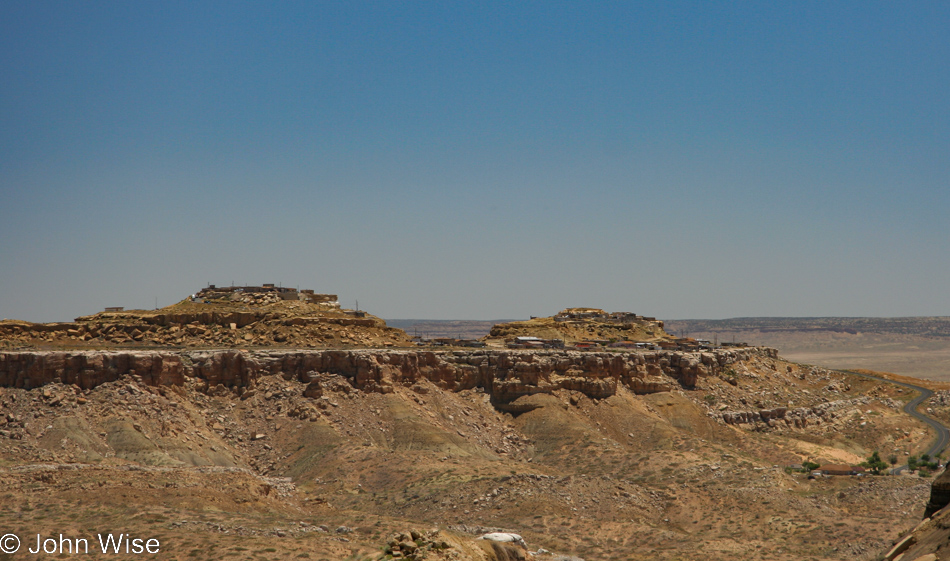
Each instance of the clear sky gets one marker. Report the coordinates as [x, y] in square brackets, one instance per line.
[478, 160]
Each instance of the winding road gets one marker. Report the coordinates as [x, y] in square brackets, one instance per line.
[943, 434]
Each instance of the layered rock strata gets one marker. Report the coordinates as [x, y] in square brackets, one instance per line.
[505, 375]
[88, 369]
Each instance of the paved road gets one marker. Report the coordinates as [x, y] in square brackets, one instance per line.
[943, 434]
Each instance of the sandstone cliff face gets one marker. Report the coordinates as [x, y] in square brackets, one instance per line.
[505, 375]
[89, 369]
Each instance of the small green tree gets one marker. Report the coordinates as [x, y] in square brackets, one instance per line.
[912, 463]
[810, 466]
[893, 460]
[875, 464]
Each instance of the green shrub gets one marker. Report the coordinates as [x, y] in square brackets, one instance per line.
[875, 464]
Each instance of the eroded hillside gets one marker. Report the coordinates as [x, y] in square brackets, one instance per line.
[327, 454]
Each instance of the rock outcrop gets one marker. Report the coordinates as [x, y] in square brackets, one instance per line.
[505, 375]
[799, 417]
[939, 494]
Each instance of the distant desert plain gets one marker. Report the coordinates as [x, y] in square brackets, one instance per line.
[910, 346]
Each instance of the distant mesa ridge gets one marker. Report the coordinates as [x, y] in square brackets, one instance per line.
[930, 326]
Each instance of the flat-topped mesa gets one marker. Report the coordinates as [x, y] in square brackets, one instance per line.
[505, 375]
[587, 327]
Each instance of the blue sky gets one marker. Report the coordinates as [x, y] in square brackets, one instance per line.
[478, 160]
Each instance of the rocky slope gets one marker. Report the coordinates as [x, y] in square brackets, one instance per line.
[622, 455]
[928, 540]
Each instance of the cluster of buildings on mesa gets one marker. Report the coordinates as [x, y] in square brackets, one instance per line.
[213, 292]
[588, 316]
[677, 344]
[570, 315]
